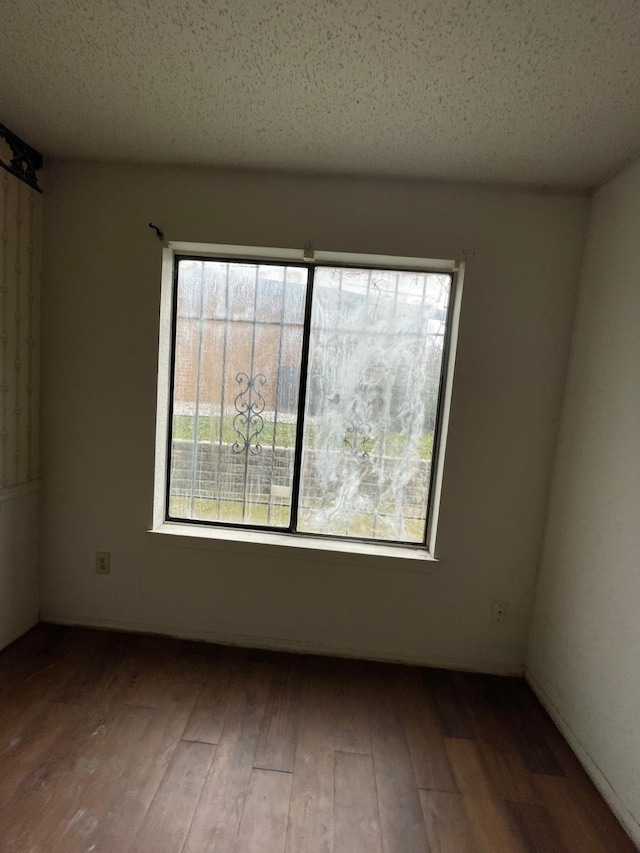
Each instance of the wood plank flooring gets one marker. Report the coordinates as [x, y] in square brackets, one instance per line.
[115, 743]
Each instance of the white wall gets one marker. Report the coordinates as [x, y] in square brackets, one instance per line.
[584, 655]
[102, 267]
[20, 246]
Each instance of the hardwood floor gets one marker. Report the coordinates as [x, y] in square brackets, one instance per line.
[114, 742]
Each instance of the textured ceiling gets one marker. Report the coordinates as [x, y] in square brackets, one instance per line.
[542, 92]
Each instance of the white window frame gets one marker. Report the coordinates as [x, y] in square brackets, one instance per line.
[163, 425]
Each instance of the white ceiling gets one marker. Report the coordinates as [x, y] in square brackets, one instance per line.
[543, 92]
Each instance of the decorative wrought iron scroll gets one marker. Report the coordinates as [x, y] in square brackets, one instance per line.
[357, 437]
[249, 404]
[20, 159]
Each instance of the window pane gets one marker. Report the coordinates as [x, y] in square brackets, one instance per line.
[375, 359]
[235, 400]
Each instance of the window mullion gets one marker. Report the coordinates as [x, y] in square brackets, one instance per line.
[302, 398]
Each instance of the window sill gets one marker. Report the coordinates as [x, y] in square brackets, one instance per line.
[408, 557]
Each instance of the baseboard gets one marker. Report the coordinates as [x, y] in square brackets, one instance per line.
[281, 644]
[629, 823]
[14, 635]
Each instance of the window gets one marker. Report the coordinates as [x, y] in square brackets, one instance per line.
[305, 396]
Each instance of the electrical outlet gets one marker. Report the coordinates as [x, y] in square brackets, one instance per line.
[103, 563]
[499, 611]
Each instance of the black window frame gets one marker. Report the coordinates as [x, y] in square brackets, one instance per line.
[311, 266]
